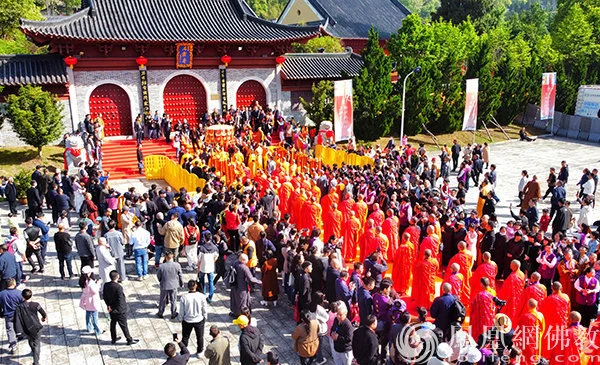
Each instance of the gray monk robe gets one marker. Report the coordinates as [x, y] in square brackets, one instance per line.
[240, 292]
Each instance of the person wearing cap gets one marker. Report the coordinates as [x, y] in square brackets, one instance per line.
[442, 354]
[90, 299]
[250, 342]
[365, 344]
[532, 326]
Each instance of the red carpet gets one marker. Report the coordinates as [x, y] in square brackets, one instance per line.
[119, 157]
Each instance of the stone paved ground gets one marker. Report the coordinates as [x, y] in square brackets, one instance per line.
[65, 341]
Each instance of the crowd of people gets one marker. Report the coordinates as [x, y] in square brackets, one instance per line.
[356, 252]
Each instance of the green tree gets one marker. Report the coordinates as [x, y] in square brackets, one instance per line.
[36, 116]
[10, 13]
[375, 108]
[321, 106]
[485, 14]
[267, 9]
[422, 7]
[327, 43]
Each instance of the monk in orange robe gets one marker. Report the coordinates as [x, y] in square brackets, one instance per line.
[403, 265]
[327, 201]
[346, 206]
[423, 289]
[555, 308]
[351, 233]
[368, 241]
[383, 243]
[311, 214]
[297, 208]
[284, 194]
[594, 342]
[431, 242]
[534, 290]
[332, 223]
[292, 201]
[530, 328]
[464, 259]
[483, 309]
[361, 209]
[568, 272]
[456, 280]
[575, 343]
[391, 228]
[488, 269]
[377, 215]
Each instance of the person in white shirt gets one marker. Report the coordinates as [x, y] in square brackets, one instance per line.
[192, 314]
[522, 183]
[140, 240]
[208, 254]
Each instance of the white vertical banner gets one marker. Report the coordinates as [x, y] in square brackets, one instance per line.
[548, 95]
[343, 110]
[470, 118]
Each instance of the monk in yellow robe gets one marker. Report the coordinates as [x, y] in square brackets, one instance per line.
[351, 233]
[332, 222]
[391, 228]
[531, 326]
[464, 259]
[488, 269]
[382, 242]
[423, 289]
[403, 265]
[512, 290]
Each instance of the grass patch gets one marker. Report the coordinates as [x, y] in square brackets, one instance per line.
[15, 159]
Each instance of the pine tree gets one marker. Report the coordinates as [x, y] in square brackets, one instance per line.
[375, 106]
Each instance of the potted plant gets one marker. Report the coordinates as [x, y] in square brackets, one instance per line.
[22, 182]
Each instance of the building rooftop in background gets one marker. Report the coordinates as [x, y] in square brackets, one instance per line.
[347, 19]
[314, 66]
[157, 21]
[16, 70]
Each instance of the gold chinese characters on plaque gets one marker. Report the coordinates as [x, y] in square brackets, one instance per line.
[184, 55]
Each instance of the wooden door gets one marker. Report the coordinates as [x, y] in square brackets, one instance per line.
[185, 98]
[113, 103]
[249, 93]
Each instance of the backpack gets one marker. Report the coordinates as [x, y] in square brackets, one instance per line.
[84, 209]
[458, 312]
[230, 278]
[192, 239]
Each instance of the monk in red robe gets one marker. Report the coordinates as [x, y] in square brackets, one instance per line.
[403, 265]
[332, 223]
[377, 215]
[423, 289]
[464, 259]
[361, 209]
[535, 290]
[488, 269]
[555, 308]
[327, 201]
[529, 331]
[456, 280]
[291, 207]
[391, 228]
[368, 241]
[512, 290]
[297, 206]
[594, 342]
[431, 242]
[414, 231]
[311, 214]
[483, 309]
[346, 206]
[575, 343]
[351, 233]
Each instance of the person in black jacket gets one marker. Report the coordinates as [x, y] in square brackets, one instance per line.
[171, 352]
[305, 286]
[11, 195]
[117, 308]
[28, 323]
[365, 345]
[456, 149]
[34, 200]
[341, 333]
[251, 343]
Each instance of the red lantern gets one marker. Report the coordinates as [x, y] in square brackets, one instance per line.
[70, 61]
[141, 61]
[280, 60]
[226, 59]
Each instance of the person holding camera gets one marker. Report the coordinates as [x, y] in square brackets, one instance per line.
[483, 308]
[171, 351]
